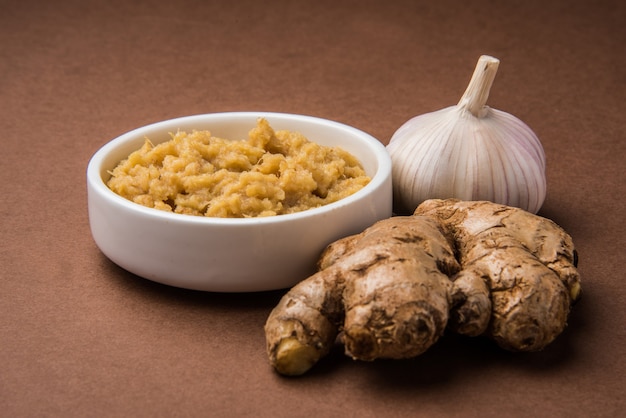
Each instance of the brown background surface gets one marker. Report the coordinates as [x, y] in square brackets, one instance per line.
[81, 337]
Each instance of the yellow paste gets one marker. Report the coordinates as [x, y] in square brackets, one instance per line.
[270, 173]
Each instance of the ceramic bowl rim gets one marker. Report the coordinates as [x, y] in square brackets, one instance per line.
[97, 183]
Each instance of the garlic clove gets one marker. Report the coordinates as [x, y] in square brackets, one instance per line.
[469, 152]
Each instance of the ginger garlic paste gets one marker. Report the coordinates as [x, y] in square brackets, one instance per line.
[269, 173]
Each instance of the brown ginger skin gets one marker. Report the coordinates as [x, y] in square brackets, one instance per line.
[523, 267]
[476, 268]
[386, 288]
[303, 327]
[396, 298]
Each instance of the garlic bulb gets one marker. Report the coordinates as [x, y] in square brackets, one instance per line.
[469, 152]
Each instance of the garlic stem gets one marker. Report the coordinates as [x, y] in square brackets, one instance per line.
[475, 97]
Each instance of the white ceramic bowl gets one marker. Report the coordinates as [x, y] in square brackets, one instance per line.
[232, 255]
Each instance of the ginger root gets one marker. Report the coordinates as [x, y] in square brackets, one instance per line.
[518, 276]
[386, 288]
[475, 268]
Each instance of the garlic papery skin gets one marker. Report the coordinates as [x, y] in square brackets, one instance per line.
[469, 152]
